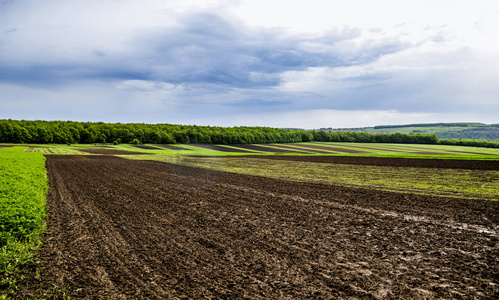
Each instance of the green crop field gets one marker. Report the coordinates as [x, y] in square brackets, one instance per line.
[23, 186]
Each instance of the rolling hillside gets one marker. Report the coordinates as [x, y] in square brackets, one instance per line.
[443, 130]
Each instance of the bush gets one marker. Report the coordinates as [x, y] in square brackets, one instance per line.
[135, 142]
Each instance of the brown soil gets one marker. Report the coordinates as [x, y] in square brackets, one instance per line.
[110, 152]
[172, 147]
[392, 161]
[221, 148]
[123, 229]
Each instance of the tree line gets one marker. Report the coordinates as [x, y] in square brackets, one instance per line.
[69, 132]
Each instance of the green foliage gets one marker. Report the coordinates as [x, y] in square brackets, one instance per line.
[135, 142]
[472, 143]
[23, 186]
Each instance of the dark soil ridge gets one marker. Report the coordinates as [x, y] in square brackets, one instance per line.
[150, 230]
[392, 161]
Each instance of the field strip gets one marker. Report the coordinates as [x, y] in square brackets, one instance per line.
[222, 148]
[385, 174]
[407, 148]
[383, 213]
[269, 148]
[302, 148]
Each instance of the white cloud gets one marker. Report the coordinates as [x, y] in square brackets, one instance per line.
[464, 21]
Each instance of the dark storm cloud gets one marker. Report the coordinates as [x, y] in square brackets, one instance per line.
[207, 48]
[201, 49]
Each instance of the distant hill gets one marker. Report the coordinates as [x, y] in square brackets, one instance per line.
[443, 130]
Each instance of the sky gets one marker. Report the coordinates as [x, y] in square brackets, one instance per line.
[279, 63]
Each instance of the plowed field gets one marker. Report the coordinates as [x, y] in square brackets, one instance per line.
[150, 230]
[393, 161]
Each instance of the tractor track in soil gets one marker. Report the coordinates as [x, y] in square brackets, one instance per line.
[150, 230]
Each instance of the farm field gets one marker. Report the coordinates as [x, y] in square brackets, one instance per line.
[310, 148]
[455, 178]
[128, 229]
[307, 220]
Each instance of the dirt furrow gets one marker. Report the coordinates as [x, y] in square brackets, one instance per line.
[150, 230]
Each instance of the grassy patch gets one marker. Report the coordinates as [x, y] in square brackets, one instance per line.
[23, 187]
[476, 184]
[55, 150]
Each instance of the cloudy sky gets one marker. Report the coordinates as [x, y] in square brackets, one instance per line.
[280, 63]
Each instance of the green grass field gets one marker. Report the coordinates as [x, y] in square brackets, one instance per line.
[23, 187]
